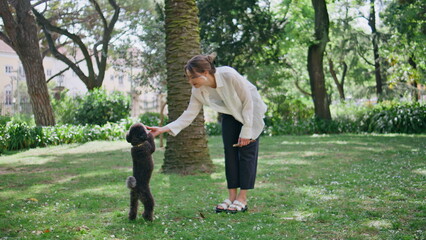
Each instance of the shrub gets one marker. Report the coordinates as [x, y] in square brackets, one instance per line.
[4, 120]
[283, 115]
[391, 117]
[98, 107]
[65, 108]
[213, 128]
[18, 135]
[152, 119]
[2, 138]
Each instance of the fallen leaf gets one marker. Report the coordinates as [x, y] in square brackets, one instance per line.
[82, 228]
[32, 199]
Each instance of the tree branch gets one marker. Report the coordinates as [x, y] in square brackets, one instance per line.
[39, 2]
[99, 11]
[106, 39]
[9, 23]
[96, 53]
[368, 62]
[63, 58]
[296, 83]
[6, 39]
[48, 26]
[64, 70]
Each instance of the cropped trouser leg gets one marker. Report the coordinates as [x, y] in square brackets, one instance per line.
[240, 162]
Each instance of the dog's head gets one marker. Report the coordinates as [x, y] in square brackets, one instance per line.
[137, 134]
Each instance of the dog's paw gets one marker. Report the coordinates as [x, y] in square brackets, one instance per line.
[131, 182]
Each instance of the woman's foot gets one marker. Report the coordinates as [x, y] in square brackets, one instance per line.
[222, 207]
[237, 206]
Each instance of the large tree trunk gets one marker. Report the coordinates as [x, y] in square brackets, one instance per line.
[21, 35]
[315, 61]
[186, 153]
[375, 42]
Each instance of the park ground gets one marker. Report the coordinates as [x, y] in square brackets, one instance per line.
[307, 187]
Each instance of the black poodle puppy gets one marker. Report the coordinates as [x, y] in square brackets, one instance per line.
[142, 148]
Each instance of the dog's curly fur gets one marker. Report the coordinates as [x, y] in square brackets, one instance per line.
[142, 148]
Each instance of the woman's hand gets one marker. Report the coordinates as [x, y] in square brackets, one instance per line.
[243, 141]
[155, 131]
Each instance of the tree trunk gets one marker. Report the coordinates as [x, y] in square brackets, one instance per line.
[21, 35]
[375, 41]
[186, 153]
[315, 61]
[339, 85]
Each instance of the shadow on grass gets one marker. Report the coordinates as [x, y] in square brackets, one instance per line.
[341, 186]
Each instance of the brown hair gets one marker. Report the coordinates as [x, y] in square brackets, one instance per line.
[201, 63]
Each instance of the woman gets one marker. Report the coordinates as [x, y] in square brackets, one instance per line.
[229, 93]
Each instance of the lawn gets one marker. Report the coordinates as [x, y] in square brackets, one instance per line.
[308, 187]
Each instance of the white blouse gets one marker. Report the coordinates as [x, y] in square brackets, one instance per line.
[240, 99]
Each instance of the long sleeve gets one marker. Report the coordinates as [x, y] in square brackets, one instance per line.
[187, 116]
[244, 94]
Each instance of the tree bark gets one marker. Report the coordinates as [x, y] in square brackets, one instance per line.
[186, 153]
[375, 42]
[315, 61]
[339, 85]
[21, 34]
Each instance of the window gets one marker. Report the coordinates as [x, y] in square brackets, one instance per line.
[49, 72]
[111, 77]
[8, 69]
[8, 95]
[21, 71]
[120, 80]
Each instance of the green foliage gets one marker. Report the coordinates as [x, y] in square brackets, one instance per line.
[285, 113]
[244, 34]
[2, 138]
[312, 126]
[386, 117]
[213, 128]
[65, 108]
[4, 120]
[391, 117]
[19, 135]
[407, 22]
[152, 119]
[98, 107]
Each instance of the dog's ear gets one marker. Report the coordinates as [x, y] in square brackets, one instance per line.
[128, 137]
[142, 135]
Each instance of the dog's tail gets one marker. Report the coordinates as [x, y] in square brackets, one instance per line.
[131, 182]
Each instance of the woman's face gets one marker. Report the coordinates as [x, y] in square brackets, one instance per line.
[197, 79]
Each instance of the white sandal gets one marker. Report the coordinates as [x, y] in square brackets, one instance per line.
[237, 206]
[223, 206]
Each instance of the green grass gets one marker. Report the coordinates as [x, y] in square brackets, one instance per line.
[308, 187]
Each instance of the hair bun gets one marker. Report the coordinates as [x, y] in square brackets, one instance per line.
[211, 57]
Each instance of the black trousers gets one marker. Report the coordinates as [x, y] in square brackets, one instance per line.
[240, 162]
